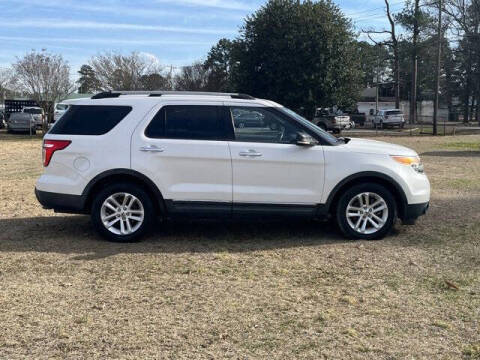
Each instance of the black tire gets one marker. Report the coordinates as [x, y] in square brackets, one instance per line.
[348, 195]
[140, 194]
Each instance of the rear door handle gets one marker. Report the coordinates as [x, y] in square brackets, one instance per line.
[250, 153]
[152, 148]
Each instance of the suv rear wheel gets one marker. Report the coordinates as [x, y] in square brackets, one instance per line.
[366, 211]
[122, 212]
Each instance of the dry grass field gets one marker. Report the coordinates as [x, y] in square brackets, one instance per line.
[243, 291]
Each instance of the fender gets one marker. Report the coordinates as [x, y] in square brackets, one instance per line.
[398, 192]
[128, 173]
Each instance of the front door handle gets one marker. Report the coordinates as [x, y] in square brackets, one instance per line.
[152, 148]
[250, 153]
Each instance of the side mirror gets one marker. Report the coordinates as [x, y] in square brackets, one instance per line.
[305, 140]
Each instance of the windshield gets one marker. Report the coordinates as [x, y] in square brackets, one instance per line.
[62, 107]
[33, 111]
[329, 137]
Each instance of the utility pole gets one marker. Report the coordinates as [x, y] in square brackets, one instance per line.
[378, 80]
[437, 82]
[413, 92]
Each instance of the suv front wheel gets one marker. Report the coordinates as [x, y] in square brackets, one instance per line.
[366, 211]
[122, 212]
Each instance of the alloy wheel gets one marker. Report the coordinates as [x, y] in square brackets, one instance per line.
[122, 213]
[367, 213]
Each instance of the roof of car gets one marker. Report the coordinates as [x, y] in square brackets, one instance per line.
[153, 98]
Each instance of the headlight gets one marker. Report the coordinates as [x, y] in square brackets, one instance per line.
[412, 161]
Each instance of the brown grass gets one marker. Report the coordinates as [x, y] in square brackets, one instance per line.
[216, 290]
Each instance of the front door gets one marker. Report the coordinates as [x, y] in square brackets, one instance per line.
[269, 169]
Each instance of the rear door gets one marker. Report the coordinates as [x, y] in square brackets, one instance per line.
[184, 150]
[270, 172]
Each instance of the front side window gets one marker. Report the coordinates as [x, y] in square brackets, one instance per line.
[90, 120]
[190, 122]
[252, 124]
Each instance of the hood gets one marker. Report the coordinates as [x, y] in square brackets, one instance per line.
[378, 147]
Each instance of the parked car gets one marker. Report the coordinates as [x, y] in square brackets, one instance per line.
[21, 122]
[177, 154]
[60, 109]
[37, 113]
[331, 120]
[357, 117]
[389, 118]
[248, 119]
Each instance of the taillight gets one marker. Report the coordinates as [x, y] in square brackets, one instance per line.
[50, 146]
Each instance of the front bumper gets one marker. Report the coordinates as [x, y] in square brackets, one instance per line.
[413, 211]
[63, 203]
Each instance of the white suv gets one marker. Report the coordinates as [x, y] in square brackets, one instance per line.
[127, 157]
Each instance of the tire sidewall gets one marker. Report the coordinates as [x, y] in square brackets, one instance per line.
[355, 190]
[131, 189]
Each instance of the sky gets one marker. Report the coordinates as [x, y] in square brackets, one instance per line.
[172, 32]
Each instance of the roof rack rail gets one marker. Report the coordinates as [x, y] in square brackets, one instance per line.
[105, 95]
[115, 94]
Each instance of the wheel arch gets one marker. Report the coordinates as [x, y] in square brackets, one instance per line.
[124, 175]
[368, 177]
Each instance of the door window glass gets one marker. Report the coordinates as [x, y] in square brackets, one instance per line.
[254, 124]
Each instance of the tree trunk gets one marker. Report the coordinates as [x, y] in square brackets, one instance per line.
[397, 77]
[413, 96]
[477, 108]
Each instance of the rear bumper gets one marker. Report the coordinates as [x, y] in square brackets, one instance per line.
[63, 203]
[20, 128]
[413, 211]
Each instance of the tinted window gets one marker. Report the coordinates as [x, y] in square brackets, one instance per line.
[263, 125]
[90, 120]
[394, 112]
[194, 122]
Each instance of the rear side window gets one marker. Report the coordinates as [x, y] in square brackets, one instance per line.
[90, 120]
[192, 122]
[395, 112]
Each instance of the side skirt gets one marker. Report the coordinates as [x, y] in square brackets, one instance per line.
[204, 209]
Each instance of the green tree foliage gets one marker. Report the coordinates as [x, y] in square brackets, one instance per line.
[301, 54]
[87, 82]
[372, 59]
[219, 65]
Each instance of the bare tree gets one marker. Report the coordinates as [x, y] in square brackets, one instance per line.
[393, 44]
[45, 77]
[5, 79]
[192, 78]
[124, 72]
